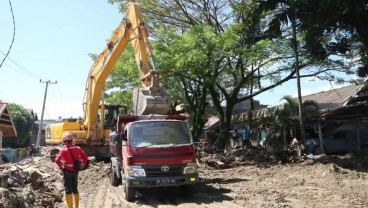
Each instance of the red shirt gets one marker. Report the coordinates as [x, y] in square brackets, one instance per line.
[68, 159]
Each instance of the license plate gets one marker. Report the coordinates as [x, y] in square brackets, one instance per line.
[165, 181]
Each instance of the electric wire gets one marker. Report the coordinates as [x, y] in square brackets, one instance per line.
[11, 9]
[21, 68]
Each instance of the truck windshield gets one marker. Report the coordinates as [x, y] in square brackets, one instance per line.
[159, 134]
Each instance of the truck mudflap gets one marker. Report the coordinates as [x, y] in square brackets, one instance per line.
[148, 182]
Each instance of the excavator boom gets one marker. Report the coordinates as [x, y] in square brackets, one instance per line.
[150, 98]
[93, 132]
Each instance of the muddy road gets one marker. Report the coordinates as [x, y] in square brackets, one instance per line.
[250, 178]
[242, 178]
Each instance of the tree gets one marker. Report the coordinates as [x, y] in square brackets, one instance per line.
[341, 28]
[221, 48]
[23, 123]
[286, 15]
[333, 28]
[288, 116]
[325, 29]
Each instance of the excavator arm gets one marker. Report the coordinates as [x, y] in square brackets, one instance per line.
[150, 98]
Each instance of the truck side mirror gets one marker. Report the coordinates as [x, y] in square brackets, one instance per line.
[115, 139]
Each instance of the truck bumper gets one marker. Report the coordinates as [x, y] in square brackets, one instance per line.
[147, 182]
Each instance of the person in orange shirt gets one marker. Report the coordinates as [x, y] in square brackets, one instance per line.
[68, 153]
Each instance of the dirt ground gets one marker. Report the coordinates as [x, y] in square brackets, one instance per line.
[255, 177]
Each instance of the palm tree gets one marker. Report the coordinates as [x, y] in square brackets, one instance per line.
[284, 14]
[288, 116]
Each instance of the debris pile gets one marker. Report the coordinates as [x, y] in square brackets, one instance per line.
[247, 156]
[31, 182]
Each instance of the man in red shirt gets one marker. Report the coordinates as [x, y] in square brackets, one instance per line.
[70, 175]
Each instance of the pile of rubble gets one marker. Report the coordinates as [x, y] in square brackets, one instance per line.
[31, 182]
[250, 155]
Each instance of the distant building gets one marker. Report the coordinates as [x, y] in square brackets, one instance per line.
[33, 115]
[347, 102]
[243, 106]
[7, 127]
[35, 128]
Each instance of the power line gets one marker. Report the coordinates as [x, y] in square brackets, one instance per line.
[11, 9]
[21, 68]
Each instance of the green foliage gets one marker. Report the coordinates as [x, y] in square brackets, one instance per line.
[123, 79]
[330, 28]
[207, 48]
[121, 98]
[23, 123]
[289, 115]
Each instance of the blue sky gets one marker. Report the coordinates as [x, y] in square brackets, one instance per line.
[52, 42]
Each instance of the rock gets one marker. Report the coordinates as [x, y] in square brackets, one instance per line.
[14, 182]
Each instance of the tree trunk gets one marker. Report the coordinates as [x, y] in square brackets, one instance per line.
[295, 48]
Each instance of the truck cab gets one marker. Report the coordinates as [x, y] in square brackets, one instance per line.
[152, 151]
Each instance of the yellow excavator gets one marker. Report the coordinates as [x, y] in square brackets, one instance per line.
[93, 131]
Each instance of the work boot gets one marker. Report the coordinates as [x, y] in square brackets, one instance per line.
[76, 200]
[69, 200]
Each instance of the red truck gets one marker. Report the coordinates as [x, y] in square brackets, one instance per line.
[152, 151]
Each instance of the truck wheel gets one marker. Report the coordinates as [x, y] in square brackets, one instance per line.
[129, 192]
[114, 180]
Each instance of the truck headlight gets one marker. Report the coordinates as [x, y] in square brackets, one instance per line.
[136, 171]
[190, 168]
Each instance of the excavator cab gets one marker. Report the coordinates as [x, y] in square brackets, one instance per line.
[111, 115]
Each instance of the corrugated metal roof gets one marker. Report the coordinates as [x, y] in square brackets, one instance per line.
[325, 100]
[333, 98]
[356, 107]
[6, 123]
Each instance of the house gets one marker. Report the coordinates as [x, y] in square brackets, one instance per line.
[243, 106]
[7, 127]
[35, 128]
[33, 114]
[212, 123]
[333, 98]
[355, 107]
[349, 102]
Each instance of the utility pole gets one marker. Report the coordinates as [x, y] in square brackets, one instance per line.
[43, 109]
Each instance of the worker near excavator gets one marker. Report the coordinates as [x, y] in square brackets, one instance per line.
[69, 153]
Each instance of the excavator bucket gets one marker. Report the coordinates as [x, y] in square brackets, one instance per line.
[150, 102]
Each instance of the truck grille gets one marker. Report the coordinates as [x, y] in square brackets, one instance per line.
[155, 171]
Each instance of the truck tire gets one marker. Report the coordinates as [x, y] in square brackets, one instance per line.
[114, 179]
[128, 192]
